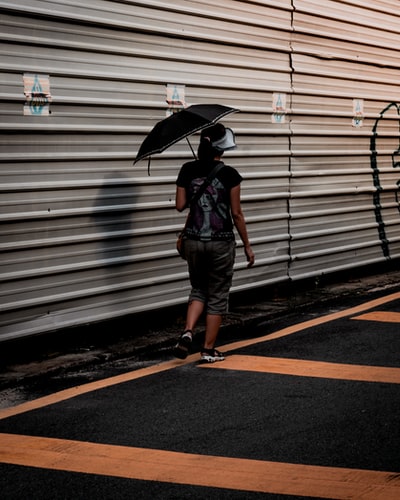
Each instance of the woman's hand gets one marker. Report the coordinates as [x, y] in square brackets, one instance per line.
[249, 255]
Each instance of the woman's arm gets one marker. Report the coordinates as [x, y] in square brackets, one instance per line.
[240, 224]
[180, 199]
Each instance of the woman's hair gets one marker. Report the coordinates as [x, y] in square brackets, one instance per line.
[211, 134]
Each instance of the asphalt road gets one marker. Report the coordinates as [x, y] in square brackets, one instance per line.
[309, 409]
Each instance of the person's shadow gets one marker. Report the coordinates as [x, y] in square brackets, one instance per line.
[112, 215]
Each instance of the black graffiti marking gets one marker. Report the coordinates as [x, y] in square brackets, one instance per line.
[376, 179]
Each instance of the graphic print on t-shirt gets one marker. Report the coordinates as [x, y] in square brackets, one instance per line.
[210, 215]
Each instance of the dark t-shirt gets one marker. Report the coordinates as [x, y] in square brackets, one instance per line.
[210, 218]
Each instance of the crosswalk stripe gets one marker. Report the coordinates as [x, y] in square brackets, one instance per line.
[382, 316]
[199, 470]
[306, 368]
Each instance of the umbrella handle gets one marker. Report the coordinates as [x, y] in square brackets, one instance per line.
[194, 154]
[149, 158]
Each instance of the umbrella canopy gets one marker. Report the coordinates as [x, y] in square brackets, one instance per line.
[180, 125]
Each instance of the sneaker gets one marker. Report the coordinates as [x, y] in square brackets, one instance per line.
[181, 350]
[211, 355]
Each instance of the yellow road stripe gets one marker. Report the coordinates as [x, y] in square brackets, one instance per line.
[199, 470]
[305, 368]
[382, 316]
[126, 377]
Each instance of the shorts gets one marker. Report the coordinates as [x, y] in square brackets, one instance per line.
[210, 265]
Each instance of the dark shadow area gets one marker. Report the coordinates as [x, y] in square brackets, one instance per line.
[113, 215]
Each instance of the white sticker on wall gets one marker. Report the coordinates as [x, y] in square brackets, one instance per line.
[175, 97]
[358, 112]
[37, 94]
[278, 107]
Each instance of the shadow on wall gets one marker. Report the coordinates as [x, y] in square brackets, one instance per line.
[113, 217]
[378, 161]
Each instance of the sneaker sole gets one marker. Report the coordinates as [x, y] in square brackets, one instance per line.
[210, 359]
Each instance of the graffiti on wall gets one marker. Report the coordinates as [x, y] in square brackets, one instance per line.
[376, 170]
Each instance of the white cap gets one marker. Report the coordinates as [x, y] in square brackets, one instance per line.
[226, 142]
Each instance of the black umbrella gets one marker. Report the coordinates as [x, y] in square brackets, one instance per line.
[179, 126]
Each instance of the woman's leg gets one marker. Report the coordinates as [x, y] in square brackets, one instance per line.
[194, 311]
[213, 323]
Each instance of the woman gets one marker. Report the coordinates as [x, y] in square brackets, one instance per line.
[209, 245]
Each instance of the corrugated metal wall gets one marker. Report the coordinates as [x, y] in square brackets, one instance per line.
[342, 50]
[85, 235]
